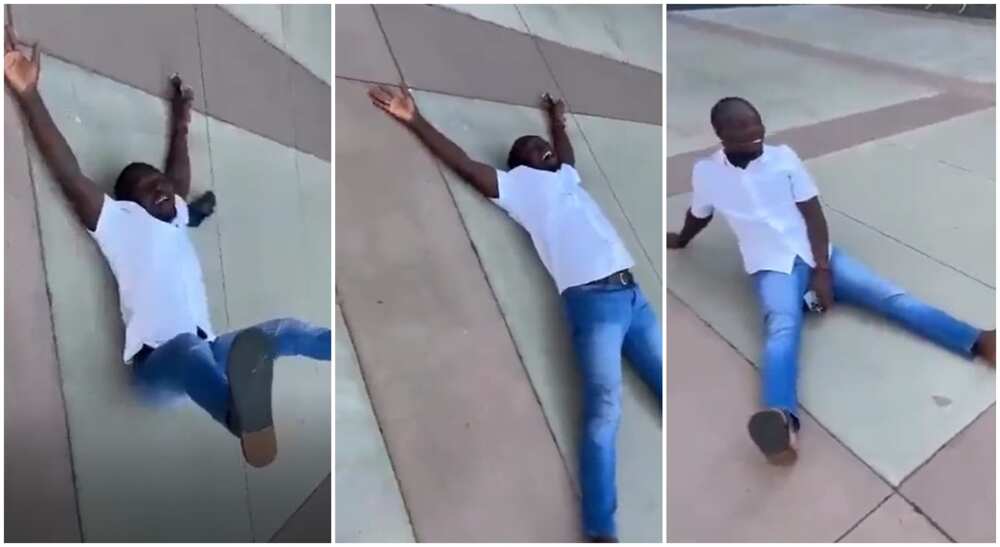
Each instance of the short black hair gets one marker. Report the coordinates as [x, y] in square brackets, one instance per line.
[727, 107]
[514, 157]
[129, 177]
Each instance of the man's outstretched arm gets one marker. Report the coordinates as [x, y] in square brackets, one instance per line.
[178, 162]
[21, 75]
[557, 129]
[400, 105]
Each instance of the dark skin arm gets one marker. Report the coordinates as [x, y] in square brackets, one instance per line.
[178, 163]
[557, 129]
[692, 225]
[400, 105]
[819, 241]
[21, 74]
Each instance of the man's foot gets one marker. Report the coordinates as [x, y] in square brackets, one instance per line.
[986, 346]
[251, 369]
[602, 539]
[201, 208]
[775, 435]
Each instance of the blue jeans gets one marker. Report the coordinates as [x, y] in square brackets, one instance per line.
[605, 322]
[188, 365]
[782, 308]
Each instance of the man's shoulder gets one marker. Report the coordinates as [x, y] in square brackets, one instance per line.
[706, 166]
[781, 152]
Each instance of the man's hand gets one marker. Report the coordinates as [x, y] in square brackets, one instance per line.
[181, 102]
[555, 107]
[822, 284]
[674, 241]
[20, 72]
[398, 104]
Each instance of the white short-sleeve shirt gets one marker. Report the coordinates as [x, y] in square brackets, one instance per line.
[575, 241]
[160, 285]
[759, 203]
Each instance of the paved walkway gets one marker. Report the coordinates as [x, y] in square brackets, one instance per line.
[894, 113]
[84, 460]
[457, 396]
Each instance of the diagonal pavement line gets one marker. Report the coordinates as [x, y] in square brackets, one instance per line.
[909, 246]
[848, 60]
[378, 423]
[864, 517]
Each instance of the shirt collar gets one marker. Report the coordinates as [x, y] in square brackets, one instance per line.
[765, 157]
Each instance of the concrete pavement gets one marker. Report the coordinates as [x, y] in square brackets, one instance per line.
[894, 114]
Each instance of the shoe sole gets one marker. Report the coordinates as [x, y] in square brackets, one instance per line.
[769, 432]
[251, 372]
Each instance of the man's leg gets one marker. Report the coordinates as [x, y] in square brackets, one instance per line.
[644, 344]
[185, 365]
[780, 296]
[290, 337]
[854, 283]
[599, 320]
[780, 299]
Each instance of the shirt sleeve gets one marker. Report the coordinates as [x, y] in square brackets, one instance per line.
[112, 222]
[109, 221]
[803, 186]
[183, 215]
[510, 192]
[571, 173]
[701, 205]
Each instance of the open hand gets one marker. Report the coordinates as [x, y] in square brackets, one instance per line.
[555, 107]
[399, 104]
[674, 241]
[20, 72]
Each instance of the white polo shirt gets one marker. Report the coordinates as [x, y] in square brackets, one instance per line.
[575, 241]
[160, 286]
[759, 203]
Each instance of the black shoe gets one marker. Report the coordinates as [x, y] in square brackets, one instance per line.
[251, 370]
[774, 432]
[201, 208]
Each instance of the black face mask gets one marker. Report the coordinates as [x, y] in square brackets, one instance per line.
[742, 159]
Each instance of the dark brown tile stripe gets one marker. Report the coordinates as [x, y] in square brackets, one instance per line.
[849, 60]
[311, 521]
[599, 86]
[444, 51]
[255, 86]
[362, 52]
[819, 139]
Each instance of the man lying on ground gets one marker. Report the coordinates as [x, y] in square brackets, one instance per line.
[143, 235]
[772, 205]
[607, 312]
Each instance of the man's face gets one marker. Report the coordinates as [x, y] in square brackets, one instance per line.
[742, 136]
[538, 154]
[155, 192]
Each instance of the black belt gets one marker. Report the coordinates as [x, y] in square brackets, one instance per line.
[623, 278]
[145, 350]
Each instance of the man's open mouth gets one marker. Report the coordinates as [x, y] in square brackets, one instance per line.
[162, 199]
[546, 155]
